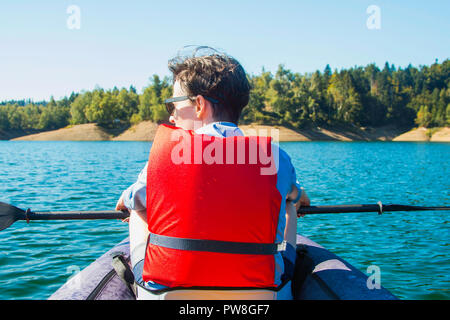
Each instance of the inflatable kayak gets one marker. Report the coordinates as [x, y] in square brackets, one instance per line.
[319, 275]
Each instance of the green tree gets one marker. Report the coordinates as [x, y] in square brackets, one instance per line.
[103, 109]
[424, 117]
[4, 122]
[152, 98]
[92, 110]
[31, 116]
[78, 108]
[14, 116]
[53, 116]
[128, 102]
[447, 114]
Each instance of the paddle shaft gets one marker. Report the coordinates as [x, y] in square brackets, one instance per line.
[75, 215]
[380, 208]
[97, 215]
[9, 214]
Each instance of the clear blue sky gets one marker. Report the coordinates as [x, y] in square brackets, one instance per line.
[124, 43]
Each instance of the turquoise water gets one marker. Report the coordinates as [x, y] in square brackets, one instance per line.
[411, 249]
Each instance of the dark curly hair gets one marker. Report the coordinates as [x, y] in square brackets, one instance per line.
[216, 76]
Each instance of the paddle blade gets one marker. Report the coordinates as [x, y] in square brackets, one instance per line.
[9, 214]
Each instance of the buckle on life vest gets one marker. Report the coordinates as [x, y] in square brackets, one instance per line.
[282, 246]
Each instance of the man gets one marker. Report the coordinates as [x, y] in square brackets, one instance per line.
[209, 93]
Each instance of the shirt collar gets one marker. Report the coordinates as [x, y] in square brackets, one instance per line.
[220, 129]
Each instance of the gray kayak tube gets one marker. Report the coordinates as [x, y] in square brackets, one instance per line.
[322, 275]
[99, 280]
[319, 275]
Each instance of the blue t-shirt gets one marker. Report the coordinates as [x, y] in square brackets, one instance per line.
[134, 197]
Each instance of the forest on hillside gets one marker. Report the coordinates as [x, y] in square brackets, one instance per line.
[359, 96]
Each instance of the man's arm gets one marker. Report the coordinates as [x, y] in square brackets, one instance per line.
[290, 233]
[135, 196]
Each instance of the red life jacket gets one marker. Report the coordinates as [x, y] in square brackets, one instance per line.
[211, 224]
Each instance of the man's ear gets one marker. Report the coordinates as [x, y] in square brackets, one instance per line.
[200, 107]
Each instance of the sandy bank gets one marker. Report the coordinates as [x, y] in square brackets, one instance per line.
[81, 132]
[423, 134]
[443, 135]
[145, 131]
[276, 132]
[325, 134]
[11, 134]
[419, 134]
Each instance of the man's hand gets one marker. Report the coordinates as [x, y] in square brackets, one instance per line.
[302, 202]
[120, 206]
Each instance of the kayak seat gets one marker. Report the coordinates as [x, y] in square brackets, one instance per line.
[205, 294]
[145, 291]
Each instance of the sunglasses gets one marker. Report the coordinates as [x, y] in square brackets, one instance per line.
[170, 106]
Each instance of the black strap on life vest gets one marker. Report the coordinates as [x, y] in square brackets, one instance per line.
[216, 245]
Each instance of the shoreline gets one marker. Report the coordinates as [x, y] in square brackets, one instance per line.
[145, 131]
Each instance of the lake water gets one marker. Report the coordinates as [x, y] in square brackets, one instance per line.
[411, 249]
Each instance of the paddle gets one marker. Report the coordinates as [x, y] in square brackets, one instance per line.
[10, 214]
[379, 207]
